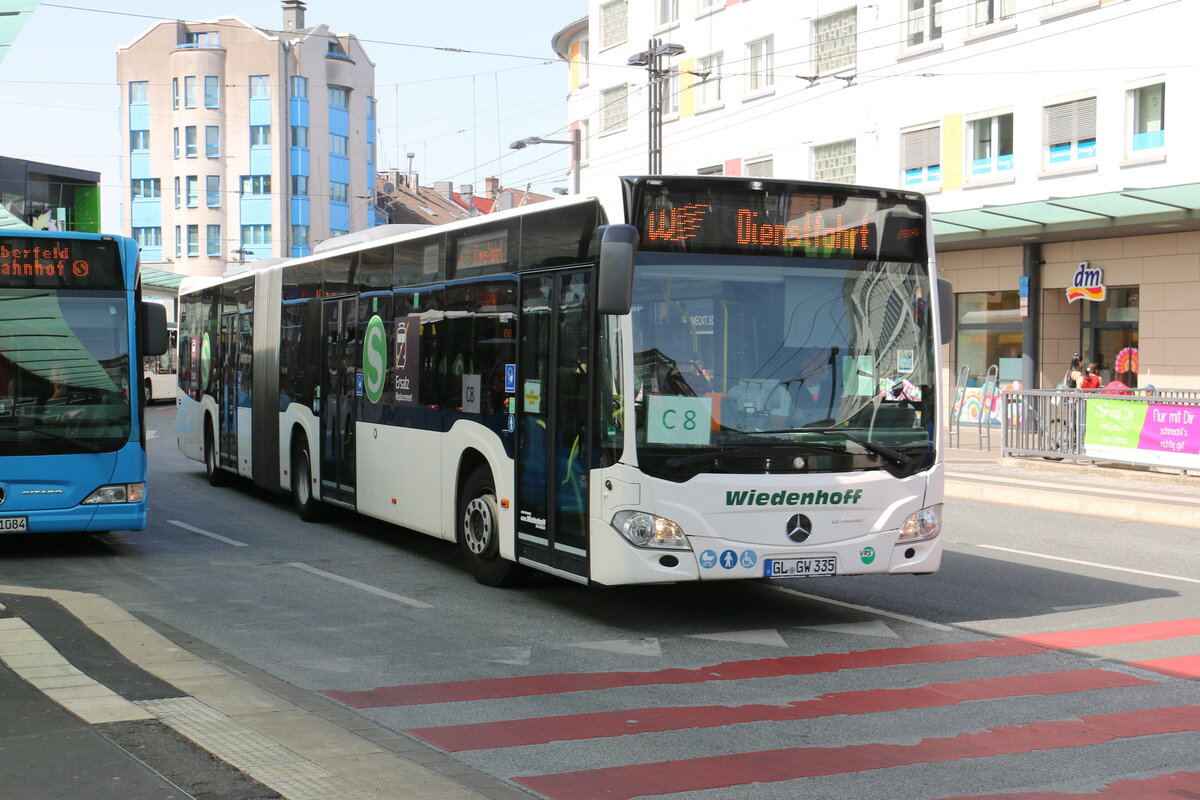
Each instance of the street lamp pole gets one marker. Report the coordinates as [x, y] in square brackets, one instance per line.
[575, 141]
[652, 58]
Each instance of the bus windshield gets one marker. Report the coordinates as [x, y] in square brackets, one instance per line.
[753, 364]
[64, 371]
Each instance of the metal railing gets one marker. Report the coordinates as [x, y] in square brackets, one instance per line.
[1051, 423]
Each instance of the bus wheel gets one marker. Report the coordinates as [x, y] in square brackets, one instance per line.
[479, 531]
[307, 506]
[212, 468]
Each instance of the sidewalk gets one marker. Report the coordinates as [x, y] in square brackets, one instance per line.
[146, 712]
[1114, 491]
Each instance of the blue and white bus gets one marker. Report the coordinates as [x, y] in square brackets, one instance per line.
[73, 332]
[726, 378]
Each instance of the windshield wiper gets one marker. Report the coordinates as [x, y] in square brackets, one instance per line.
[899, 462]
[765, 451]
[56, 436]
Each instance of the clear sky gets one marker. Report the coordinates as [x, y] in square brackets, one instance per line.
[457, 112]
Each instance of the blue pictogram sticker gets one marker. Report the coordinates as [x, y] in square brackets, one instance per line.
[729, 559]
[358, 384]
[510, 378]
[749, 558]
[511, 424]
[708, 559]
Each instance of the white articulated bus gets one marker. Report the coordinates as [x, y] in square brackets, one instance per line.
[727, 378]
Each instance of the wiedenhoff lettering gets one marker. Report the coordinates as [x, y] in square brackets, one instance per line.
[783, 498]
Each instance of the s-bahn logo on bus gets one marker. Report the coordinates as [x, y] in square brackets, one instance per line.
[374, 366]
[1088, 284]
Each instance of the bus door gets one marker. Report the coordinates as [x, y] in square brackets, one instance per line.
[227, 390]
[338, 389]
[554, 402]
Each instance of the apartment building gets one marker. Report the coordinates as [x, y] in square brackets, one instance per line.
[243, 142]
[1037, 128]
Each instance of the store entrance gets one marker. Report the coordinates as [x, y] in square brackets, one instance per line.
[1110, 335]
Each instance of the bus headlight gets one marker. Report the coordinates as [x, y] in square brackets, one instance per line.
[117, 493]
[921, 526]
[647, 530]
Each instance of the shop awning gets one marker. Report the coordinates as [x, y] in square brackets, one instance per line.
[1123, 213]
[160, 278]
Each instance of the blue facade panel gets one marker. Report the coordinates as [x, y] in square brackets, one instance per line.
[298, 111]
[139, 165]
[339, 216]
[139, 116]
[256, 210]
[145, 214]
[300, 250]
[339, 169]
[299, 161]
[339, 121]
[260, 111]
[151, 254]
[301, 211]
[260, 159]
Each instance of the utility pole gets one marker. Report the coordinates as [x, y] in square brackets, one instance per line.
[653, 58]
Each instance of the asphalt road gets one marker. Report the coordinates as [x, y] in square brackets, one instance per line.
[1044, 656]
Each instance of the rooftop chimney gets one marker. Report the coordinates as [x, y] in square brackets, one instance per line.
[293, 15]
[493, 187]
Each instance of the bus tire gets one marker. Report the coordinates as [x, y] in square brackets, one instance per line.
[478, 527]
[307, 506]
[212, 466]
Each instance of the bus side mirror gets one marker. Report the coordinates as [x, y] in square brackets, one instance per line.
[153, 329]
[946, 309]
[614, 285]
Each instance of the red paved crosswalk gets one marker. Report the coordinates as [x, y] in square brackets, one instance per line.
[617, 780]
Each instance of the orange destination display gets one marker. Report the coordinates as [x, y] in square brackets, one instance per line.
[40, 263]
[800, 220]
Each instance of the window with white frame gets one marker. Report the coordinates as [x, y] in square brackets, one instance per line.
[669, 98]
[1069, 132]
[614, 23]
[256, 184]
[190, 142]
[339, 145]
[148, 237]
[260, 135]
[193, 190]
[212, 91]
[339, 97]
[299, 185]
[666, 12]
[761, 168]
[761, 59]
[256, 234]
[987, 12]
[213, 240]
[708, 86]
[212, 191]
[139, 92]
[145, 188]
[177, 191]
[212, 141]
[835, 162]
[189, 91]
[299, 86]
[585, 140]
[260, 85]
[178, 239]
[139, 141]
[585, 60]
[835, 40]
[991, 143]
[339, 192]
[924, 21]
[193, 240]
[1147, 118]
[614, 108]
[921, 157]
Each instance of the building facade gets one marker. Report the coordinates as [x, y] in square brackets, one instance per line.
[243, 142]
[1037, 129]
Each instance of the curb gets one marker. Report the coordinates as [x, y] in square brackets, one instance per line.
[1090, 500]
[301, 753]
